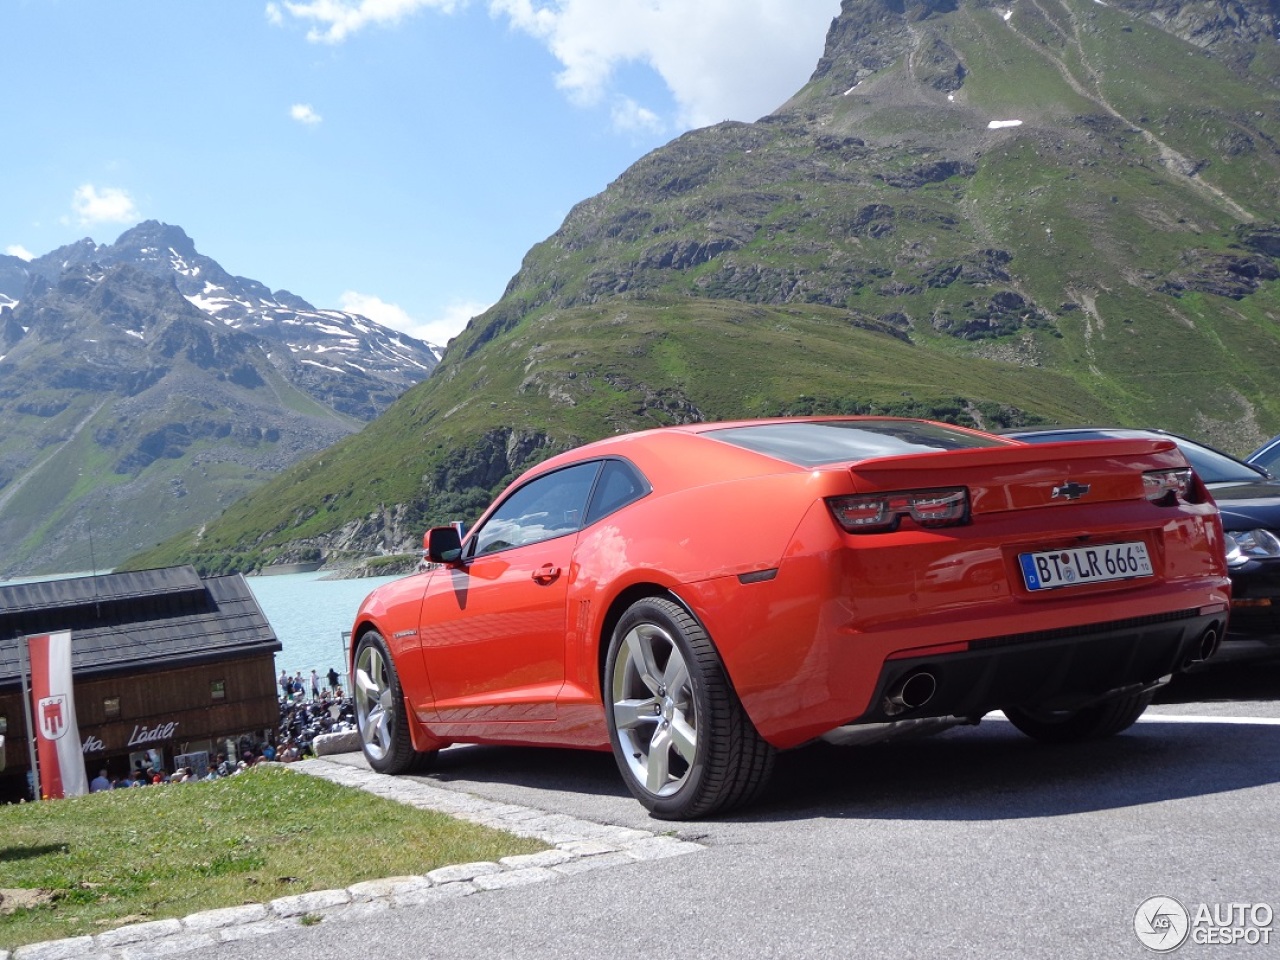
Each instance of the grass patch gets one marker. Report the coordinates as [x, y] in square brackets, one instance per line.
[157, 852]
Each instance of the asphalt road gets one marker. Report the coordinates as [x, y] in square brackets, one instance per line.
[976, 843]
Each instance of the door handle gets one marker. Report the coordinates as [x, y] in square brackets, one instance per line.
[546, 573]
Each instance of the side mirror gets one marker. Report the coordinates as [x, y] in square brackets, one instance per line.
[442, 545]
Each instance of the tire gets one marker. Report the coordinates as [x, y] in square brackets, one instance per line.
[380, 712]
[682, 740]
[1091, 723]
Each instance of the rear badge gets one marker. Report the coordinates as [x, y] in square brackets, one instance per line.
[1072, 491]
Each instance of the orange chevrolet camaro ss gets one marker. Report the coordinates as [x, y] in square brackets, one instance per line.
[696, 598]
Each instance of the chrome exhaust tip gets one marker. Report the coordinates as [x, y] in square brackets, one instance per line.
[910, 693]
[1209, 643]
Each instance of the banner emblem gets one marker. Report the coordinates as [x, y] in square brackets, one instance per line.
[53, 716]
[56, 733]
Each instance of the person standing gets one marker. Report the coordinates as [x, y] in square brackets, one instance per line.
[333, 679]
[315, 685]
[100, 782]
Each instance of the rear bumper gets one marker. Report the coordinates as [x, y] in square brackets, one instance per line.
[1053, 669]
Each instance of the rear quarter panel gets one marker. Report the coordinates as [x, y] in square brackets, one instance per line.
[674, 542]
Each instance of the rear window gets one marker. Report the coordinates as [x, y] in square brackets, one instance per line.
[809, 444]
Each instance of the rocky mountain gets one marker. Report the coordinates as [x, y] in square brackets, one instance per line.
[343, 359]
[988, 212]
[143, 389]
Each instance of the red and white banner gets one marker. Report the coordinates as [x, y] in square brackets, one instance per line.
[53, 710]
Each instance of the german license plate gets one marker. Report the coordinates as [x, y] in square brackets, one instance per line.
[1076, 565]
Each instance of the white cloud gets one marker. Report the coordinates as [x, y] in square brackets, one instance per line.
[721, 59]
[304, 114]
[335, 20]
[438, 331]
[452, 321]
[629, 117]
[379, 311]
[110, 205]
[19, 251]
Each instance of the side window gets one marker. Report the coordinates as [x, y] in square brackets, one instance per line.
[620, 484]
[550, 506]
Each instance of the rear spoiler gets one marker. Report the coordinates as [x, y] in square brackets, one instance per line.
[1059, 453]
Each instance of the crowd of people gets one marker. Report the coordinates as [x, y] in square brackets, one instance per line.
[145, 774]
[302, 719]
[293, 688]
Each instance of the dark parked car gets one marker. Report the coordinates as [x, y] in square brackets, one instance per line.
[1248, 495]
[1267, 456]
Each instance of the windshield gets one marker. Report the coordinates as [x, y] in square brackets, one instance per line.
[809, 444]
[1267, 456]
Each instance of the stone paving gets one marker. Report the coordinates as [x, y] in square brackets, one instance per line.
[579, 846]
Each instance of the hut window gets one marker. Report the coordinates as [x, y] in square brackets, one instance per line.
[218, 689]
[111, 707]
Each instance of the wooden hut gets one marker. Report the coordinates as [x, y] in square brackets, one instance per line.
[168, 668]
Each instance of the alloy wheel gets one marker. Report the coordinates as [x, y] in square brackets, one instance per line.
[374, 702]
[654, 709]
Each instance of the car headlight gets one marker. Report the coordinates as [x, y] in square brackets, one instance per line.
[1246, 545]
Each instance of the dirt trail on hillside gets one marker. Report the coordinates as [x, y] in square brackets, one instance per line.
[21, 481]
[1173, 161]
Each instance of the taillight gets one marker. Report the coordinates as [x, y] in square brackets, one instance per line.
[882, 512]
[1168, 486]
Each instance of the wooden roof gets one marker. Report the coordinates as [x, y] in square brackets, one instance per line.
[134, 621]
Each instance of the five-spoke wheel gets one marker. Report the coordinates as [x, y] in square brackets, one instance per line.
[380, 711]
[654, 712]
[683, 742]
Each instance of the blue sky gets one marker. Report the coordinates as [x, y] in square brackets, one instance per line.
[392, 157]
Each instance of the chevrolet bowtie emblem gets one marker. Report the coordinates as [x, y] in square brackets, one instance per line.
[1072, 490]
